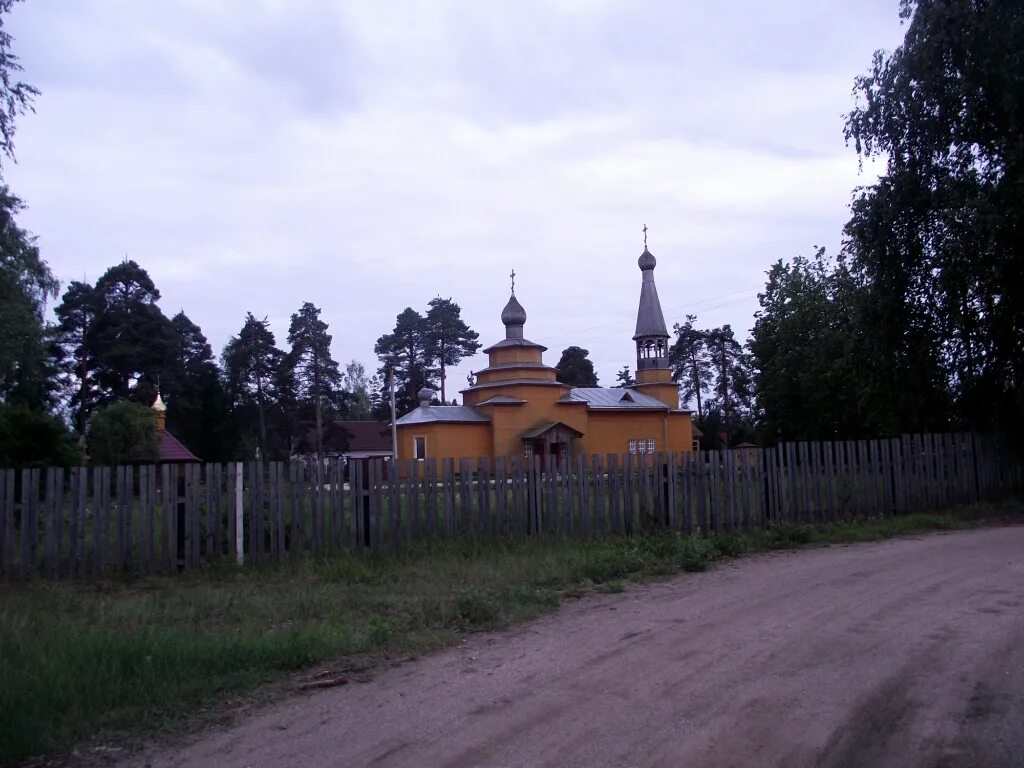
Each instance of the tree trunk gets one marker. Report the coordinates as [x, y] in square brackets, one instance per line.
[696, 387]
[263, 418]
[319, 414]
[83, 393]
[444, 400]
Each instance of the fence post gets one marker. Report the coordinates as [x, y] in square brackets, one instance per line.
[239, 524]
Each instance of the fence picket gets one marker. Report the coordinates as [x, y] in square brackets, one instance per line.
[58, 524]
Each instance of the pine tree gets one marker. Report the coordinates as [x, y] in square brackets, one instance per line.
[76, 318]
[198, 408]
[575, 368]
[252, 364]
[404, 352]
[132, 340]
[691, 366]
[316, 374]
[446, 337]
[625, 377]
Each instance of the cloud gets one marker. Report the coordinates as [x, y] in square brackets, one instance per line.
[369, 156]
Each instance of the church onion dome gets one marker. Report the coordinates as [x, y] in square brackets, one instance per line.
[646, 260]
[158, 403]
[513, 313]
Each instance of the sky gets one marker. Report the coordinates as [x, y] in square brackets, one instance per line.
[368, 156]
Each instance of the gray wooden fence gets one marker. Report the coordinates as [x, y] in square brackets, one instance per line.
[63, 523]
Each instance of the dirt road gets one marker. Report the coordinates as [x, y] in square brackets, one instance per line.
[902, 653]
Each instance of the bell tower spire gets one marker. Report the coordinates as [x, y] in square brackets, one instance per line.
[653, 371]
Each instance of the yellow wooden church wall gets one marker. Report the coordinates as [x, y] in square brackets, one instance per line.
[446, 441]
[611, 431]
[515, 355]
[604, 431]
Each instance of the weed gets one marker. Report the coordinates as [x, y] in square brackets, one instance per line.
[477, 608]
[124, 656]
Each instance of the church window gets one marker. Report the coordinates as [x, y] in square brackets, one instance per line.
[650, 445]
[528, 450]
[419, 447]
[632, 446]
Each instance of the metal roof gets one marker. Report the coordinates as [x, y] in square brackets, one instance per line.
[512, 366]
[515, 343]
[502, 400]
[507, 382]
[541, 429]
[650, 321]
[613, 397]
[442, 413]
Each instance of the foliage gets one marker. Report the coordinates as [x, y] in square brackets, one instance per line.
[715, 371]
[359, 391]
[808, 354]
[15, 96]
[131, 339]
[27, 356]
[34, 439]
[76, 318]
[404, 352]
[198, 407]
[691, 366]
[113, 655]
[255, 383]
[419, 352]
[624, 378]
[122, 432]
[316, 375]
[575, 368]
[937, 245]
[447, 338]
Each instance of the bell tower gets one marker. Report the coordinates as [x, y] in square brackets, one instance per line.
[653, 373]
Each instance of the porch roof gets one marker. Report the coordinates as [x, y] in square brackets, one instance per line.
[543, 429]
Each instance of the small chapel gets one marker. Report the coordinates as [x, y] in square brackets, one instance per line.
[516, 406]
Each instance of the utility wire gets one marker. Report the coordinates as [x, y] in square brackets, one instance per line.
[618, 324]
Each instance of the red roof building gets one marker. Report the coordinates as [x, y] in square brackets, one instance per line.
[169, 449]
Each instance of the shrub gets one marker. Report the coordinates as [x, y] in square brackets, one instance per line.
[477, 608]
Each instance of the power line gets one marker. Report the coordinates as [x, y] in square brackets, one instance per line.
[613, 333]
[626, 321]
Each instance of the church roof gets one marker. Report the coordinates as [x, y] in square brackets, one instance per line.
[515, 343]
[507, 382]
[514, 366]
[613, 398]
[650, 322]
[502, 400]
[170, 449]
[543, 429]
[442, 413]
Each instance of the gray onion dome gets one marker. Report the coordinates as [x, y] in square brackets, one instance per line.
[513, 313]
[646, 261]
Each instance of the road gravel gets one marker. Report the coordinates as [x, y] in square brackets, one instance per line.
[903, 653]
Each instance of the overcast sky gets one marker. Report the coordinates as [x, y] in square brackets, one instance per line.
[368, 156]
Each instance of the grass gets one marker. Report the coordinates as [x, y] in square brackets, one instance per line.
[128, 657]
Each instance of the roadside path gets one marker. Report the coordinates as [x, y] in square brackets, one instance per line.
[902, 653]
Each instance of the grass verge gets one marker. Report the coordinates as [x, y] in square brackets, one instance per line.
[140, 656]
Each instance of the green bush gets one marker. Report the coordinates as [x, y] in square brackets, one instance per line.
[784, 535]
[477, 608]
